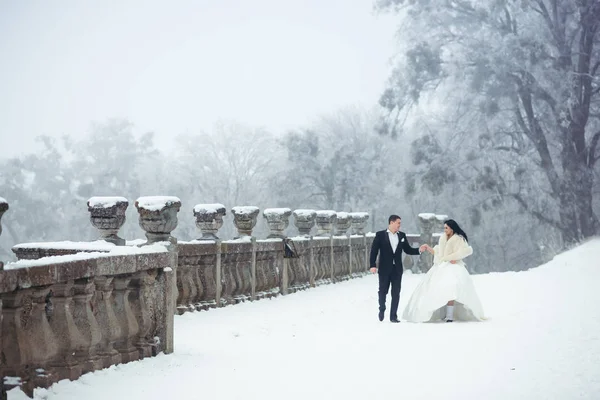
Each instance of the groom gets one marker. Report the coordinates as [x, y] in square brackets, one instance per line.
[389, 245]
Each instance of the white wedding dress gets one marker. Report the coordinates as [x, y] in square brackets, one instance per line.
[444, 282]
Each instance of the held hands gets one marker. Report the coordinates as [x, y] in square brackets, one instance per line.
[373, 270]
[426, 247]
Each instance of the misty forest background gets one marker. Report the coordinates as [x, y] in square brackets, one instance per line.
[491, 115]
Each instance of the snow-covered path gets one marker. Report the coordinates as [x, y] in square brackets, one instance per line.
[541, 341]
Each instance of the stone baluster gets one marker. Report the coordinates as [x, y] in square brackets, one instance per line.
[108, 322]
[158, 217]
[207, 273]
[228, 286]
[3, 208]
[278, 220]
[14, 341]
[244, 219]
[186, 288]
[199, 296]
[86, 323]
[261, 276]
[326, 222]
[143, 284]
[342, 223]
[238, 266]
[68, 337]
[129, 327]
[107, 214]
[209, 219]
[427, 224]
[304, 220]
[359, 222]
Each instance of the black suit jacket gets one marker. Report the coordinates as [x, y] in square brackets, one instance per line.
[387, 258]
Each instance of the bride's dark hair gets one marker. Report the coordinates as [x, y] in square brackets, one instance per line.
[457, 229]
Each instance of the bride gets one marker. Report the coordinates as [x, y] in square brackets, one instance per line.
[447, 291]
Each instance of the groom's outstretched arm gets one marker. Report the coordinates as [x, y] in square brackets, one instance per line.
[407, 248]
[374, 251]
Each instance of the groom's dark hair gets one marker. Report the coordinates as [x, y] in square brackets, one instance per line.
[392, 218]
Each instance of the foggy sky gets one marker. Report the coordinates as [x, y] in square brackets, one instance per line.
[178, 67]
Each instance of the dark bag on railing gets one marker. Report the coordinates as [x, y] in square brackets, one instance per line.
[289, 249]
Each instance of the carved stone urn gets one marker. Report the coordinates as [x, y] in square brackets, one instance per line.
[107, 214]
[158, 217]
[358, 220]
[325, 222]
[244, 219]
[342, 223]
[209, 219]
[278, 220]
[304, 220]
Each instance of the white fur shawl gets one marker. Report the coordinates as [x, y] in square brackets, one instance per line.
[454, 249]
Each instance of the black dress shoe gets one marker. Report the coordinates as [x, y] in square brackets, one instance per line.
[394, 320]
[381, 315]
[449, 320]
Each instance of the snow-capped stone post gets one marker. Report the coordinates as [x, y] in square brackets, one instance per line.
[278, 220]
[158, 217]
[107, 214]
[304, 220]
[3, 208]
[439, 226]
[244, 219]
[427, 224]
[358, 220]
[342, 223]
[325, 222]
[209, 219]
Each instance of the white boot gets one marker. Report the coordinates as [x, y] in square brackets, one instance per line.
[449, 313]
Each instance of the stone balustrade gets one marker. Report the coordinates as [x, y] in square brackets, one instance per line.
[65, 316]
[68, 308]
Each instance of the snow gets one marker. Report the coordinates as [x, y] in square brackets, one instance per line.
[105, 202]
[208, 208]
[426, 215]
[156, 203]
[326, 213]
[244, 210]
[68, 245]
[305, 213]
[100, 245]
[114, 251]
[442, 217]
[342, 215]
[359, 214]
[3, 200]
[277, 211]
[541, 341]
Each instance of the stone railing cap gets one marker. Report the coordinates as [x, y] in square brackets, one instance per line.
[209, 208]
[359, 214]
[342, 214]
[55, 269]
[105, 201]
